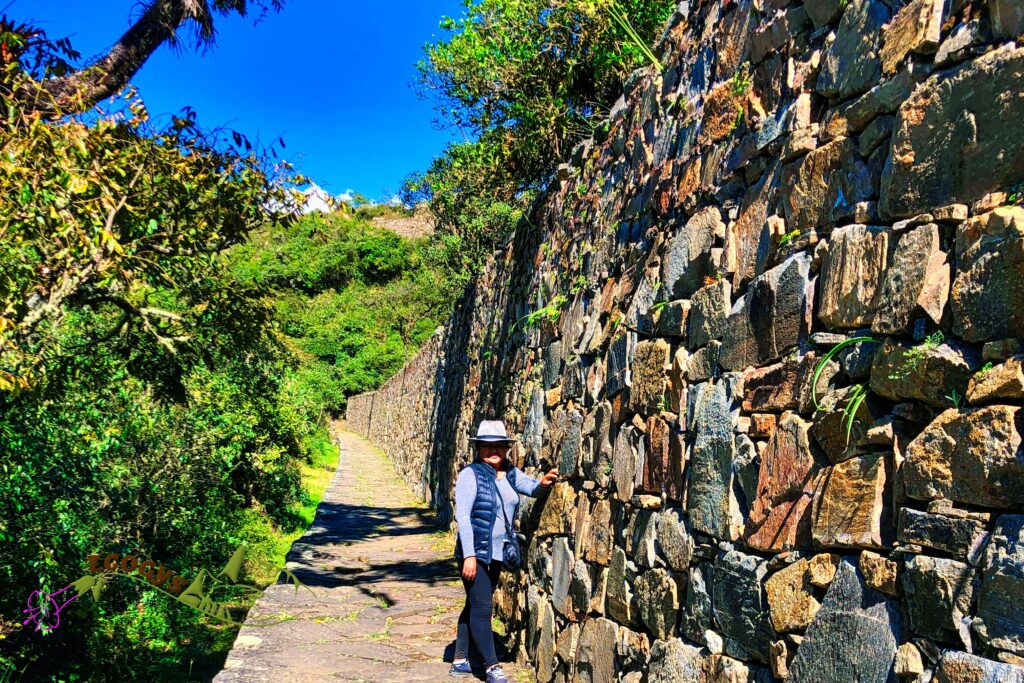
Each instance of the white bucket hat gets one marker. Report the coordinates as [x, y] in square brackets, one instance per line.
[491, 431]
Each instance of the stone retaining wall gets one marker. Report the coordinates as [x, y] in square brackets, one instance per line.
[797, 176]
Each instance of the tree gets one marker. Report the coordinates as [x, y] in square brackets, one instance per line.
[524, 81]
[66, 91]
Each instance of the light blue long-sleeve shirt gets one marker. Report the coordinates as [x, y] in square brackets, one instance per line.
[465, 495]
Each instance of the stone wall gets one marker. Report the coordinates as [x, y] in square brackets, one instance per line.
[735, 507]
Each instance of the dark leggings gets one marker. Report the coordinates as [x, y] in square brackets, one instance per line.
[476, 615]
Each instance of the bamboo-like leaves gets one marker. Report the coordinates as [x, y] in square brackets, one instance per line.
[623, 21]
[829, 356]
[860, 392]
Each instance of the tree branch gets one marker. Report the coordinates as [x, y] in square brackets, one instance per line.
[80, 90]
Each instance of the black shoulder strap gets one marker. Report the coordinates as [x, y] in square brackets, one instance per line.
[509, 531]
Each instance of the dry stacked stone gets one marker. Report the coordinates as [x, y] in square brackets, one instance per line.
[733, 506]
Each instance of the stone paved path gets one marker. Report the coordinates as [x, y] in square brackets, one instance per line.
[387, 595]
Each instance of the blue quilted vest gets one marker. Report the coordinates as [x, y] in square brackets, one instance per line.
[485, 513]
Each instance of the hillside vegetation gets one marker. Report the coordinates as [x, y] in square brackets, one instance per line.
[169, 361]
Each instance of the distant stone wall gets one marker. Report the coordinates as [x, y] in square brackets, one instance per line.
[398, 416]
[797, 176]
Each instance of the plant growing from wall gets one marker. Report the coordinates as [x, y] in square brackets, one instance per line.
[857, 395]
[787, 238]
[954, 398]
[741, 81]
[913, 357]
[550, 312]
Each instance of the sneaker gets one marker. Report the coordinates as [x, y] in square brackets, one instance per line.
[460, 669]
[496, 675]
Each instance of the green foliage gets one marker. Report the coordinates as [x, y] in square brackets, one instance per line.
[549, 312]
[954, 398]
[853, 401]
[353, 302]
[525, 81]
[788, 237]
[741, 81]
[144, 391]
[101, 215]
[1015, 195]
[913, 357]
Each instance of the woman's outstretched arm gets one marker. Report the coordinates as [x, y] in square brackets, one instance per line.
[528, 486]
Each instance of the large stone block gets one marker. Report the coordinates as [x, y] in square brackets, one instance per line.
[712, 507]
[561, 575]
[656, 456]
[643, 538]
[558, 510]
[657, 604]
[790, 597]
[849, 508]
[749, 243]
[674, 539]
[687, 259]
[619, 359]
[915, 28]
[552, 364]
[595, 655]
[971, 456]
[677, 457]
[851, 64]
[571, 445]
[768, 320]
[1000, 616]
[782, 386]
[649, 376]
[960, 667]
[952, 143]
[640, 315]
[546, 645]
[1007, 17]
[926, 372]
[598, 466]
[938, 595]
[740, 607]
[733, 40]
[697, 614]
[851, 275]
[824, 11]
[627, 461]
[988, 291]
[853, 637]
[824, 185]
[780, 517]
[619, 595]
[1004, 381]
[709, 309]
[674, 661]
[961, 536]
[916, 284]
[598, 546]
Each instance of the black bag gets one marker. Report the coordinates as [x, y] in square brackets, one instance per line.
[512, 552]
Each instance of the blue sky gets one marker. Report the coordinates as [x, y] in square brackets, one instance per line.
[333, 78]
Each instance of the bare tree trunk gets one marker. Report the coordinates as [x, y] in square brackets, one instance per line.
[79, 91]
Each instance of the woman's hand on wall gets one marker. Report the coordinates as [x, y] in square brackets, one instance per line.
[548, 479]
[469, 568]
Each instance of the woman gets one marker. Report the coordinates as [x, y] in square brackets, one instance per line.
[483, 530]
